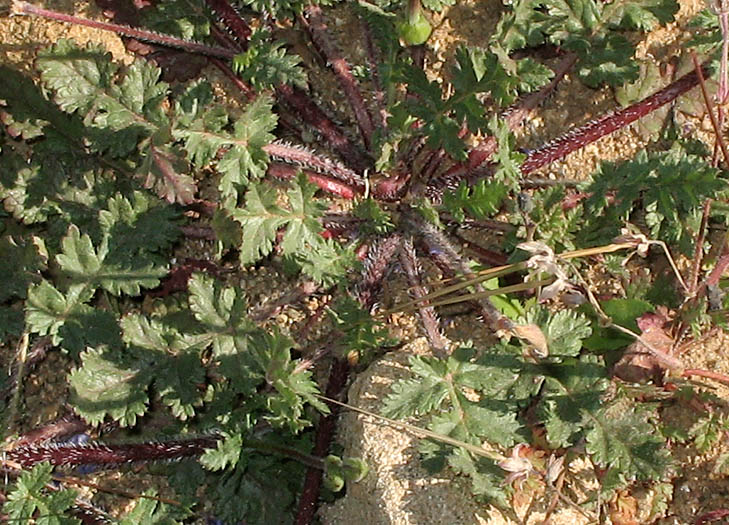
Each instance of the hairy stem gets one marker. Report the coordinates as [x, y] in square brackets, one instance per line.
[427, 314]
[24, 8]
[333, 186]
[303, 157]
[438, 245]
[318, 30]
[230, 18]
[310, 113]
[592, 131]
[375, 267]
[109, 455]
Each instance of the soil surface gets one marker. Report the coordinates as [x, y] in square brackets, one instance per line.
[397, 490]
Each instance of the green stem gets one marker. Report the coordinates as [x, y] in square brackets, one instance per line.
[306, 459]
[413, 11]
[12, 411]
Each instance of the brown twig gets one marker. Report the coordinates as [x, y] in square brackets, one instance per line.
[716, 376]
[710, 108]
[699, 251]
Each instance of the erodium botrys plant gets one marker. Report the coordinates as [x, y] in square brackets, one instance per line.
[110, 175]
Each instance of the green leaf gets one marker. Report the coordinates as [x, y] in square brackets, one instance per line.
[92, 267]
[177, 369]
[262, 490]
[607, 60]
[418, 396]
[479, 201]
[507, 159]
[294, 387]
[564, 330]
[84, 326]
[571, 391]
[707, 431]
[21, 261]
[47, 309]
[262, 217]
[359, 332]
[623, 312]
[28, 501]
[437, 388]
[84, 80]
[486, 477]
[477, 71]
[109, 383]
[623, 440]
[227, 453]
[204, 133]
[670, 186]
[266, 64]
[328, 263]
[150, 511]
[222, 313]
[642, 14]
[377, 219]
[184, 18]
[519, 28]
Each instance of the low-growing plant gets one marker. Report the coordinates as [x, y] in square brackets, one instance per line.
[134, 208]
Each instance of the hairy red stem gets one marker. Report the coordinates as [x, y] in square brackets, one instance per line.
[230, 18]
[592, 131]
[108, 455]
[335, 187]
[310, 113]
[324, 432]
[426, 313]
[319, 35]
[24, 8]
[303, 157]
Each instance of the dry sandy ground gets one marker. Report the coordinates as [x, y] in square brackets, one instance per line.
[398, 491]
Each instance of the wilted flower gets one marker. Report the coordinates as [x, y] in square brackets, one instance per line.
[641, 242]
[519, 466]
[544, 260]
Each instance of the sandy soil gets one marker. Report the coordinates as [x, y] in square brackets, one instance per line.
[398, 491]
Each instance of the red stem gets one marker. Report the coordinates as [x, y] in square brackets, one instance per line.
[230, 18]
[710, 108]
[592, 131]
[335, 187]
[716, 376]
[319, 35]
[315, 117]
[24, 8]
[107, 455]
[303, 157]
[324, 432]
[699, 250]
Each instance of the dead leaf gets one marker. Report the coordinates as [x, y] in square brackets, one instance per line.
[638, 364]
